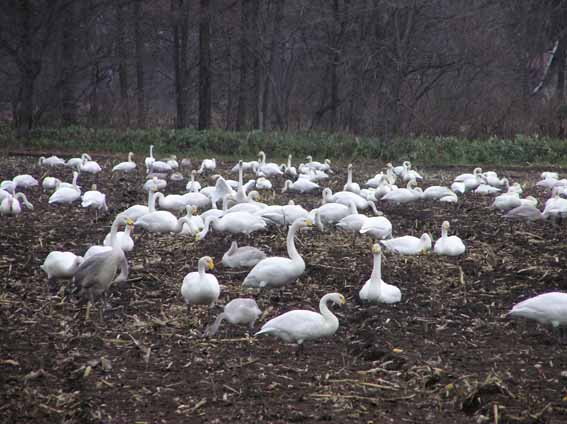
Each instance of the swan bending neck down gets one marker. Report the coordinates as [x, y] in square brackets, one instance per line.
[276, 272]
[300, 325]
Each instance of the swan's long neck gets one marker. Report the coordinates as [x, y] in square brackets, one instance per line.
[75, 177]
[130, 156]
[286, 186]
[151, 201]
[291, 250]
[240, 177]
[180, 222]
[24, 199]
[324, 309]
[233, 248]
[202, 267]
[289, 161]
[349, 176]
[262, 158]
[152, 151]
[376, 276]
[214, 328]
[113, 234]
[208, 221]
[443, 232]
[159, 196]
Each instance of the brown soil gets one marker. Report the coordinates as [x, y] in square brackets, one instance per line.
[445, 354]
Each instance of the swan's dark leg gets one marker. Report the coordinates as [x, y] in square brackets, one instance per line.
[299, 350]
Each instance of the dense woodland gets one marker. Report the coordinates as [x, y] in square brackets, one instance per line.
[380, 67]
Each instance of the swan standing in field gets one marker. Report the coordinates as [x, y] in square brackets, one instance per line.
[276, 272]
[127, 166]
[25, 181]
[264, 169]
[377, 227]
[94, 199]
[375, 290]
[96, 274]
[200, 288]
[207, 166]
[10, 205]
[50, 183]
[289, 170]
[76, 162]
[242, 257]
[449, 246]
[60, 265]
[123, 238]
[72, 184]
[66, 194]
[51, 161]
[193, 186]
[89, 166]
[547, 309]
[238, 312]
[150, 159]
[136, 211]
[350, 186]
[408, 245]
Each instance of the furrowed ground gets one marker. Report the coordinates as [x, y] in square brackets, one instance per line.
[445, 354]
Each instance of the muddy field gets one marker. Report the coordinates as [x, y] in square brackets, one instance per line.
[445, 354]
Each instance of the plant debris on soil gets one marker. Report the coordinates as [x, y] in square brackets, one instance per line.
[445, 354]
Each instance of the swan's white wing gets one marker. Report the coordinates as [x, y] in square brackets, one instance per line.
[295, 326]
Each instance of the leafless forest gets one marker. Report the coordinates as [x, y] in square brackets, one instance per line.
[381, 67]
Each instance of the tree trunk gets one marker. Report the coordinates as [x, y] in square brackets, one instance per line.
[68, 88]
[255, 52]
[561, 63]
[242, 112]
[180, 54]
[269, 77]
[139, 46]
[229, 96]
[29, 70]
[204, 66]
[123, 63]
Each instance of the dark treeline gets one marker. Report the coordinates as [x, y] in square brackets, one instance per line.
[380, 67]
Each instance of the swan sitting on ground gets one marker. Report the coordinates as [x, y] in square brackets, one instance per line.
[60, 265]
[276, 272]
[238, 312]
[25, 181]
[234, 223]
[200, 288]
[350, 186]
[242, 257]
[449, 246]
[123, 238]
[302, 185]
[50, 183]
[377, 227]
[51, 161]
[66, 194]
[127, 166]
[346, 197]
[94, 199]
[408, 245]
[375, 290]
[301, 325]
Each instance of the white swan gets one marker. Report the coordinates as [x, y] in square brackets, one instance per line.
[346, 197]
[96, 274]
[449, 246]
[127, 166]
[66, 194]
[301, 325]
[208, 165]
[155, 184]
[264, 169]
[123, 238]
[76, 162]
[398, 170]
[404, 195]
[150, 159]
[350, 186]
[242, 257]
[353, 222]
[193, 186]
[89, 166]
[234, 223]
[289, 170]
[10, 205]
[547, 309]
[50, 183]
[195, 224]
[136, 211]
[25, 181]
[262, 183]
[462, 177]
[377, 227]
[94, 199]
[51, 161]
[161, 222]
[238, 312]
[506, 201]
[276, 272]
[375, 290]
[318, 166]
[200, 288]
[329, 214]
[283, 215]
[437, 192]
[171, 202]
[60, 265]
[8, 186]
[548, 174]
[72, 184]
[525, 213]
[408, 245]
[302, 185]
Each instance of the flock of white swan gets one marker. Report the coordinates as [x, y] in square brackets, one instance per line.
[233, 206]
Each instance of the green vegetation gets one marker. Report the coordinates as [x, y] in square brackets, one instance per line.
[228, 144]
